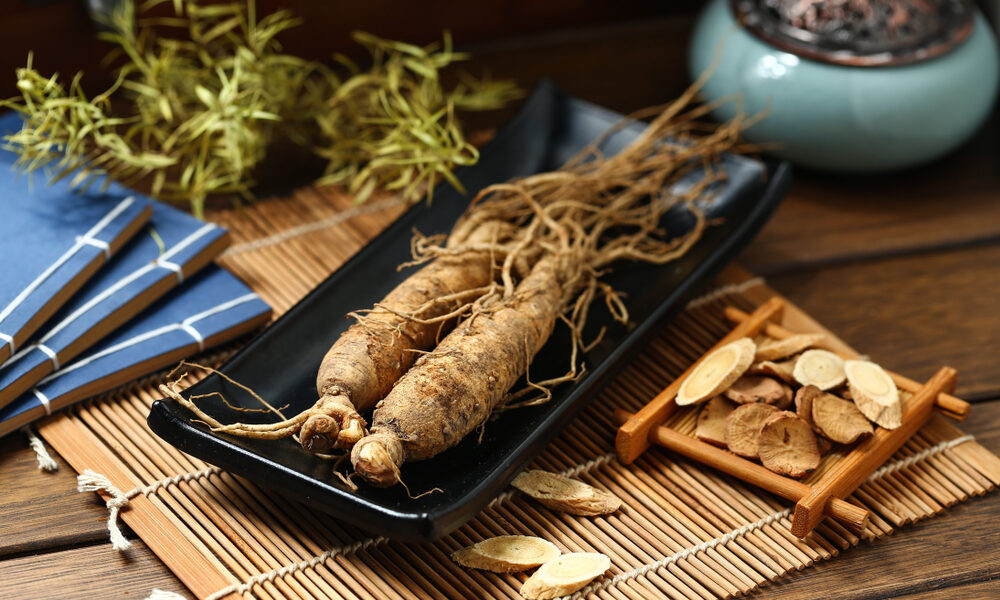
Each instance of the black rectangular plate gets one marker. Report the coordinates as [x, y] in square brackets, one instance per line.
[281, 363]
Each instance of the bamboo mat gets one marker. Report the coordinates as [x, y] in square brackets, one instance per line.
[686, 532]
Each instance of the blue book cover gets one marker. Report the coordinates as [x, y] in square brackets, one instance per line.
[211, 308]
[175, 246]
[52, 241]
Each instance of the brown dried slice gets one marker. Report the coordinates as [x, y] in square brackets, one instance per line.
[788, 445]
[772, 349]
[781, 370]
[820, 368]
[743, 427]
[874, 392]
[803, 403]
[716, 372]
[712, 421]
[507, 554]
[754, 388]
[565, 575]
[565, 494]
[823, 444]
[839, 420]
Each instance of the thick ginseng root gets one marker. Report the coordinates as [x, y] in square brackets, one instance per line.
[839, 420]
[743, 428]
[450, 392]
[507, 554]
[565, 494]
[874, 392]
[771, 349]
[367, 359]
[565, 575]
[787, 445]
[820, 368]
[712, 421]
[716, 372]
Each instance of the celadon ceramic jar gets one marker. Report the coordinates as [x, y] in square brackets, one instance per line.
[867, 113]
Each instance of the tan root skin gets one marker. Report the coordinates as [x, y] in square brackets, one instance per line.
[781, 370]
[743, 428]
[772, 349]
[712, 421]
[820, 368]
[565, 575]
[874, 393]
[839, 420]
[566, 495]
[507, 554]
[447, 394]
[755, 388]
[787, 445]
[716, 372]
[803, 402]
[366, 360]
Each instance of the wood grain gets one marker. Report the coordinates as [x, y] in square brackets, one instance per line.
[87, 573]
[913, 314]
[42, 510]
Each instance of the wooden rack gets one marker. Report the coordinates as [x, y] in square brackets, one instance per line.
[825, 496]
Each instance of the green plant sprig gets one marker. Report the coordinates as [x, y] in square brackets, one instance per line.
[201, 95]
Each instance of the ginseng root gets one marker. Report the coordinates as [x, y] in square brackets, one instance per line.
[447, 394]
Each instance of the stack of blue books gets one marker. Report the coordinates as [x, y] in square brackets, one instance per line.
[100, 288]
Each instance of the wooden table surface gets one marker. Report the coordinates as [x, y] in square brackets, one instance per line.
[905, 267]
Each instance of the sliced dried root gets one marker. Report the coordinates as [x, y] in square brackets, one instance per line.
[712, 421]
[772, 349]
[874, 392]
[788, 446]
[803, 403]
[820, 368]
[781, 370]
[566, 495]
[507, 554]
[743, 428]
[716, 372]
[754, 388]
[565, 575]
[839, 420]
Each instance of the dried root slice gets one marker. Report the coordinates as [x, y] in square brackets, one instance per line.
[716, 372]
[772, 349]
[788, 445]
[839, 420]
[781, 370]
[754, 388]
[820, 368]
[743, 427]
[823, 444]
[565, 575]
[874, 392]
[507, 554]
[803, 403]
[712, 421]
[565, 494]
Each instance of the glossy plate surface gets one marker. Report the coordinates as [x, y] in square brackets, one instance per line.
[281, 363]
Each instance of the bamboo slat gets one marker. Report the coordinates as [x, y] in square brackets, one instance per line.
[686, 533]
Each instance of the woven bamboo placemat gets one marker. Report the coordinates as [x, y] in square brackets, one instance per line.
[686, 532]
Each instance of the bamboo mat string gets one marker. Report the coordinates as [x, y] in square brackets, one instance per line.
[45, 461]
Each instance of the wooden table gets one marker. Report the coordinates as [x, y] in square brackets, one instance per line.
[904, 266]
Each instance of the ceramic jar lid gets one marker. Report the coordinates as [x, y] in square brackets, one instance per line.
[863, 33]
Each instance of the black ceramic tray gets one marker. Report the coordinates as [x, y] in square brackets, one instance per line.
[281, 363]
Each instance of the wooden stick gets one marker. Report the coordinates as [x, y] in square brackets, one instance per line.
[634, 435]
[857, 466]
[753, 473]
[946, 404]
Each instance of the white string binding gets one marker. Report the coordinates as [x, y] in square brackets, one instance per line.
[50, 353]
[195, 334]
[171, 266]
[158, 594]
[44, 275]
[45, 461]
[99, 244]
[726, 538]
[90, 481]
[44, 400]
